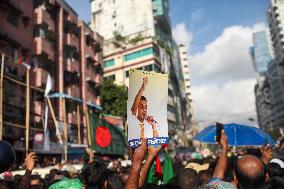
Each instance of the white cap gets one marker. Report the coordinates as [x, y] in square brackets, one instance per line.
[278, 161]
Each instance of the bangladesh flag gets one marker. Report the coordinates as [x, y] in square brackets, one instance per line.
[161, 169]
[106, 138]
[18, 59]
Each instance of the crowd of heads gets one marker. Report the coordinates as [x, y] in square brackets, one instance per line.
[239, 171]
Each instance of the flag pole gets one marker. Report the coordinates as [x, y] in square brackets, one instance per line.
[65, 130]
[27, 110]
[88, 126]
[1, 94]
[53, 116]
[78, 124]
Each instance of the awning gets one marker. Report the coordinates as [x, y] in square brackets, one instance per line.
[66, 96]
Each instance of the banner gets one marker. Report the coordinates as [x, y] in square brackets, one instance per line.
[147, 108]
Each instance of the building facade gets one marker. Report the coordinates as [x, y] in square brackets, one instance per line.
[49, 37]
[261, 52]
[264, 104]
[275, 72]
[275, 77]
[142, 41]
[186, 83]
[276, 26]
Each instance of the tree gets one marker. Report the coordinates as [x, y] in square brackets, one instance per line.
[114, 98]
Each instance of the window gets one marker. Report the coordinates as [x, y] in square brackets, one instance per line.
[26, 21]
[111, 77]
[157, 68]
[185, 66]
[138, 54]
[12, 54]
[148, 67]
[127, 73]
[13, 18]
[109, 63]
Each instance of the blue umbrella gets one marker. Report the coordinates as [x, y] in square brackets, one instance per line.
[238, 135]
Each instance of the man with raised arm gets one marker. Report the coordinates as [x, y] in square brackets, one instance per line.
[139, 110]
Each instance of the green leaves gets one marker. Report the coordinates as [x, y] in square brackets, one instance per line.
[114, 98]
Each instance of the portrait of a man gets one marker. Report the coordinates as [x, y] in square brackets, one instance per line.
[147, 107]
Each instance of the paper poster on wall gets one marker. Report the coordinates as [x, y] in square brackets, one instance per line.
[147, 108]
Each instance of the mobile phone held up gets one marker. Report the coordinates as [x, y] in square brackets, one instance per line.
[219, 128]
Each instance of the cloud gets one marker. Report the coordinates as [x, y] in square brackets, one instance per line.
[182, 35]
[223, 77]
[231, 102]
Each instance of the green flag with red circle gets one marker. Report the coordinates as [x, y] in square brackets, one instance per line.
[106, 138]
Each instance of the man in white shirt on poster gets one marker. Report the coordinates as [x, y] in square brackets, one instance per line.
[139, 110]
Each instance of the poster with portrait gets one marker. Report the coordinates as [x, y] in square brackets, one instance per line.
[147, 108]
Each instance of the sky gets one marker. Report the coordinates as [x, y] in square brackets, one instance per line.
[218, 35]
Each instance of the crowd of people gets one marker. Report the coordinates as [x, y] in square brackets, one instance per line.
[245, 171]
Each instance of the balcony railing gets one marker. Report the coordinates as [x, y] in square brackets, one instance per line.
[71, 27]
[71, 52]
[71, 78]
[97, 47]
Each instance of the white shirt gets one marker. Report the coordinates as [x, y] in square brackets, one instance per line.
[134, 128]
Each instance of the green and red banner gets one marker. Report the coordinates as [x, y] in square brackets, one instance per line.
[106, 138]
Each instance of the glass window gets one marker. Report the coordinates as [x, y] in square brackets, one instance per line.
[148, 67]
[138, 54]
[109, 63]
[127, 73]
[111, 77]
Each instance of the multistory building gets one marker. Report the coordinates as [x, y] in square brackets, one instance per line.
[185, 70]
[276, 26]
[275, 77]
[48, 36]
[275, 73]
[138, 35]
[264, 104]
[261, 54]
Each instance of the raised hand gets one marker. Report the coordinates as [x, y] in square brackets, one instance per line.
[140, 152]
[145, 82]
[30, 161]
[224, 140]
[266, 154]
[150, 120]
[153, 151]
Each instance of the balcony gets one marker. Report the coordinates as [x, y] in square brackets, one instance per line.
[12, 5]
[44, 47]
[42, 16]
[98, 69]
[97, 47]
[71, 27]
[93, 86]
[71, 52]
[89, 39]
[90, 61]
[71, 78]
